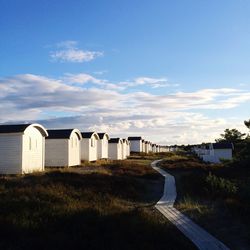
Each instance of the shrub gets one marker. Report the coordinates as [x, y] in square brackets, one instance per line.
[220, 186]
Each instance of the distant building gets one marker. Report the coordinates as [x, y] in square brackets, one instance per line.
[218, 151]
[214, 152]
[135, 144]
[89, 146]
[102, 146]
[115, 149]
[125, 147]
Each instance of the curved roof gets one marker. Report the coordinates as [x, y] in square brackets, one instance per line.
[63, 133]
[20, 128]
[88, 135]
[115, 140]
[125, 141]
[101, 135]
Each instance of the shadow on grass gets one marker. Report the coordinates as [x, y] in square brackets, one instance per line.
[88, 229]
[62, 210]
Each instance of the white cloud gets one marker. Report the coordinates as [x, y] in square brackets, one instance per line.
[168, 118]
[81, 78]
[149, 81]
[68, 52]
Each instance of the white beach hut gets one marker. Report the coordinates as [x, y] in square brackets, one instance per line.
[128, 149]
[150, 149]
[63, 148]
[143, 146]
[22, 148]
[216, 151]
[125, 146]
[135, 144]
[147, 145]
[102, 146]
[115, 149]
[89, 146]
[154, 148]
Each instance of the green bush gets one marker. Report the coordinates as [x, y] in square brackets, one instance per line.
[220, 186]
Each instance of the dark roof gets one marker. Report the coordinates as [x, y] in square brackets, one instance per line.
[59, 133]
[222, 145]
[17, 128]
[101, 135]
[114, 140]
[134, 138]
[87, 134]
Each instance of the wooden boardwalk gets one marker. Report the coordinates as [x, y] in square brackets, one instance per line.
[201, 238]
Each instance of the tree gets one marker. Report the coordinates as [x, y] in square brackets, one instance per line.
[231, 135]
[247, 123]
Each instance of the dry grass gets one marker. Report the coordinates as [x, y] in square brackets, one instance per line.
[108, 208]
[215, 196]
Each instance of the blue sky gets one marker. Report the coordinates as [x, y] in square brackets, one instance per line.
[173, 71]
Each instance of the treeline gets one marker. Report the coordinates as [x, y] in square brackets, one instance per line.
[241, 142]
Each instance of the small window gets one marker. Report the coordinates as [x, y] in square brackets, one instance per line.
[30, 146]
[76, 142]
[92, 142]
[36, 143]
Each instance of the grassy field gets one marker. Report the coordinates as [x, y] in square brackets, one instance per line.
[103, 205]
[215, 196]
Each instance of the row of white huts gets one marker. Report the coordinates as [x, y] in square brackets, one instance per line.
[26, 148]
[214, 152]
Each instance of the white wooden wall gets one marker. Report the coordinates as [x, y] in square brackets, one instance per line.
[88, 151]
[115, 151]
[124, 150]
[102, 148]
[56, 152]
[33, 151]
[136, 146]
[10, 154]
[128, 150]
[74, 150]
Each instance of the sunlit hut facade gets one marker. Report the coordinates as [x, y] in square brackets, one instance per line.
[154, 148]
[135, 144]
[115, 148]
[147, 145]
[102, 146]
[150, 147]
[89, 146]
[125, 146]
[63, 148]
[143, 146]
[22, 148]
[128, 149]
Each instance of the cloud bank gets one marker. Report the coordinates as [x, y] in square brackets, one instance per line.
[89, 103]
